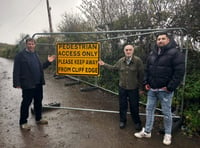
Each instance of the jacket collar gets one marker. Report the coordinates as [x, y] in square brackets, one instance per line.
[132, 59]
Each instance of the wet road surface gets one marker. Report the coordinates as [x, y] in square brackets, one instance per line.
[72, 128]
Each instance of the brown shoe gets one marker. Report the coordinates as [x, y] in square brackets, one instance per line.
[25, 126]
[42, 121]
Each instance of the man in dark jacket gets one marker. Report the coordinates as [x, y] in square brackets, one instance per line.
[28, 75]
[165, 70]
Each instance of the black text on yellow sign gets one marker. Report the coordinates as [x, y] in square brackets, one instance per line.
[78, 58]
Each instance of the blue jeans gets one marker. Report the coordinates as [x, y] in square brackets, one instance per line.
[165, 99]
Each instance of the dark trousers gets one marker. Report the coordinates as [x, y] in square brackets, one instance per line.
[131, 96]
[28, 95]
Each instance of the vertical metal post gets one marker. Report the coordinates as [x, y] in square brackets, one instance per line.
[49, 16]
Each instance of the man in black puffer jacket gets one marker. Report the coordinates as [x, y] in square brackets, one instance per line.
[165, 70]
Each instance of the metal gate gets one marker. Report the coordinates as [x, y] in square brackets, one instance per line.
[111, 41]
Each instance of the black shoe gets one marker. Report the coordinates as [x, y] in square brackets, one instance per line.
[122, 125]
[138, 126]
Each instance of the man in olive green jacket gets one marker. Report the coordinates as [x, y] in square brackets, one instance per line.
[131, 72]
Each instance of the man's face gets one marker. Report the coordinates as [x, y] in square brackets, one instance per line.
[162, 40]
[128, 50]
[30, 46]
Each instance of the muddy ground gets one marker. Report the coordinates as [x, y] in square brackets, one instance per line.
[72, 128]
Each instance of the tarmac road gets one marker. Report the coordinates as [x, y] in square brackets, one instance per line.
[72, 128]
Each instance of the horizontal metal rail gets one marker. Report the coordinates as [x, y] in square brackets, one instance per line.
[108, 32]
[98, 110]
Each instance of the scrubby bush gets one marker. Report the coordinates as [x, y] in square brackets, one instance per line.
[191, 94]
[192, 120]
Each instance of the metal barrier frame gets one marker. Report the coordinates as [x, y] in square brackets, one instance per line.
[138, 32]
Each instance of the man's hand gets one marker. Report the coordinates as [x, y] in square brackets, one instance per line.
[147, 87]
[51, 58]
[101, 62]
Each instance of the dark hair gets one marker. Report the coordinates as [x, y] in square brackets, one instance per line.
[30, 40]
[168, 34]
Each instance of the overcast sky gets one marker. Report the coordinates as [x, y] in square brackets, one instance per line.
[30, 16]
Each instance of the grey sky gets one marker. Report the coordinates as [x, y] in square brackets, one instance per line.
[30, 16]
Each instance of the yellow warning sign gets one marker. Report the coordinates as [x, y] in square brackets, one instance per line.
[77, 58]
